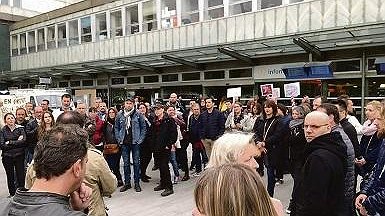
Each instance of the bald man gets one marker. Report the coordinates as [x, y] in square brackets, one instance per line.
[320, 189]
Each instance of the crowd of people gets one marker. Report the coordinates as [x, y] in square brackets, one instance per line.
[232, 145]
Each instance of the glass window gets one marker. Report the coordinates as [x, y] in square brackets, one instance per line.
[169, 77]
[240, 6]
[351, 87]
[191, 76]
[75, 83]
[101, 26]
[31, 42]
[132, 20]
[117, 81]
[151, 79]
[376, 87]
[190, 11]
[133, 80]
[214, 75]
[149, 16]
[62, 35]
[116, 24]
[342, 66]
[102, 82]
[17, 3]
[240, 73]
[294, 1]
[51, 37]
[40, 40]
[213, 9]
[14, 45]
[73, 32]
[85, 24]
[270, 3]
[87, 82]
[63, 84]
[168, 13]
[23, 43]
[5, 2]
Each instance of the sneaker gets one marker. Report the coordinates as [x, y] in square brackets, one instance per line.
[196, 174]
[176, 180]
[137, 187]
[158, 188]
[125, 187]
[144, 179]
[120, 183]
[167, 192]
[154, 168]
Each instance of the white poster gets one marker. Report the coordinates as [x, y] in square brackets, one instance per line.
[292, 89]
[267, 89]
[276, 92]
[234, 92]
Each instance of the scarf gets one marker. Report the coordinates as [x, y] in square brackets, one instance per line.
[127, 115]
[295, 122]
[368, 129]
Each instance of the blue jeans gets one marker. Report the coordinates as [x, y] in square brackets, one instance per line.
[271, 169]
[174, 163]
[135, 149]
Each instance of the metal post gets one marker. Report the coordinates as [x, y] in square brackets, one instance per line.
[109, 90]
[364, 69]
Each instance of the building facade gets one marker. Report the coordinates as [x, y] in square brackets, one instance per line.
[194, 47]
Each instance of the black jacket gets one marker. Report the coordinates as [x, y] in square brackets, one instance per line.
[297, 143]
[109, 133]
[370, 147]
[213, 124]
[165, 135]
[352, 134]
[195, 127]
[16, 146]
[32, 133]
[320, 190]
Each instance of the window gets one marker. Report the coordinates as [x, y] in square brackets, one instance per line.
[23, 43]
[5, 2]
[62, 35]
[116, 24]
[75, 83]
[169, 77]
[101, 26]
[15, 50]
[240, 73]
[149, 16]
[151, 79]
[73, 32]
[31, 42]
[214, 75]
[240, 6]
[87, 82]
[85, 24]
[295, 1]
[51, 43]
[214, 9]
[133, 80]
[17, 3]
[63, 84]
[270, 3]
[40, 40]
[117, 81]
[102, 82]
[376, 87]
[132, 20]
[190, 11]
[341, 66]
[191, 76]
[168, 14]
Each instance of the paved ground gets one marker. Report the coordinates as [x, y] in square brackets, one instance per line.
[150, 203]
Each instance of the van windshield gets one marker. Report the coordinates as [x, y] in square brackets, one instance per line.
[54, 100]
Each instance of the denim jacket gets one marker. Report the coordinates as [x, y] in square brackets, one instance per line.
[138, 126]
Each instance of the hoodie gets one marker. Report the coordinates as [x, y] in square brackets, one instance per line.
[321, 183]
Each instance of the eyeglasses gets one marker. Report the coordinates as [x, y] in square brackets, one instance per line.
[312, 127]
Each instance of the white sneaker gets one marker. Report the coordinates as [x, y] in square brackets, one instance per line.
[176, 180]
[196, 174]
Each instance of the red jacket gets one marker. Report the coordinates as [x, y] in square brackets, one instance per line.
[97, 138]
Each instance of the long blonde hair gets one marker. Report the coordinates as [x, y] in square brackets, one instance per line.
[232, 189]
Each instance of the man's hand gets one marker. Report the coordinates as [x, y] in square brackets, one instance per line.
[359, 200]
[80, 199]
[360, 162]
[363, 211]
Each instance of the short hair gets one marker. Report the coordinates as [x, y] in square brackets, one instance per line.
[92, 109]
[45, 101]
[302, 110]
[7, 114]
[323, 98]
[59, 149]
[213, 196]
[282, 107]
[341, 103]
[66, 96]
[21, 108]
[210, 98]
[71, 117]
[272, 104]
[331, 110]
[229, 147]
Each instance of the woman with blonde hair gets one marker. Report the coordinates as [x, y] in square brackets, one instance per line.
[221, 191]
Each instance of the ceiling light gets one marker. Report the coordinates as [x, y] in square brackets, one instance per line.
[352, 43]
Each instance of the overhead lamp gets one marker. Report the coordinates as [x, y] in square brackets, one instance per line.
[352, 43]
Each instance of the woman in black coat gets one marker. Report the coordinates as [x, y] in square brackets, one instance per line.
[12, 144]
[146, 147]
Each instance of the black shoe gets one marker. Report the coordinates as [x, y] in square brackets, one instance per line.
[125, 187]
[154, 168]
[185, 177]
[191, 168]
[158, 188]
[167, 192]
[144, 179]
[120, 183]
[137, 187]
[147, 177]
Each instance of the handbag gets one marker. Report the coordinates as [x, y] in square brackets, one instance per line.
[110, 149]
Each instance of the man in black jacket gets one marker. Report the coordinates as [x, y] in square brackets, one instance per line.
[321, 184]
[31, 129]
[213, 125]
[164, 134]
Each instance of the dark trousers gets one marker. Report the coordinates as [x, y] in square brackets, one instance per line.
[181, 154]
[162, 156]
[197, 158]
[271, 174]
[12, 164]
[113, 161]
[295, 171]
[145, 157]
